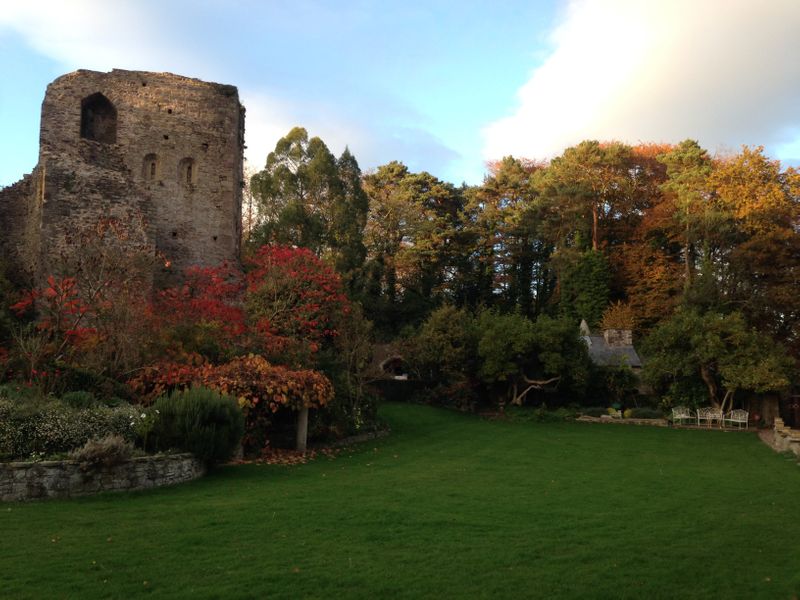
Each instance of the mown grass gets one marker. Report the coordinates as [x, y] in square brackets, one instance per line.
[448, 506]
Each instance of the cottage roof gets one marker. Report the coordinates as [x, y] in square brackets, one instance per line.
[611, 356]
[619, 352]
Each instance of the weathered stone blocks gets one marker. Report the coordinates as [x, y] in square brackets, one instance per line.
[66, 479]
[156, 145]
[785, 439]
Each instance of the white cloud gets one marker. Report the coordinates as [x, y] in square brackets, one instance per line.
[266, 121]
[89, 34]
[188, 38]
[372, 143]
[133, 34]
[269, 118]
[724, 72]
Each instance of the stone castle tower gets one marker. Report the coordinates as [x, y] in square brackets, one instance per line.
[154, 148]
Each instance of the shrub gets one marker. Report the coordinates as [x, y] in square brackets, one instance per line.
[346, 364]
[198, 420]
[262, 389]
[79, 399]
[78, 379]
[46, 426]
[595, 411]
[646, 413]
[18, 392]
[104, 452]
[444, 354]
[541, 414]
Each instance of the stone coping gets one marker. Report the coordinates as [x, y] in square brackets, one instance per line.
[56, 463]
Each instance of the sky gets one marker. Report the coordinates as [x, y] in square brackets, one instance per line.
[443, 86]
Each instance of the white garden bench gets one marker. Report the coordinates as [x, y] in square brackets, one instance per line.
[738, 417]
[681, 413]
[709, 415]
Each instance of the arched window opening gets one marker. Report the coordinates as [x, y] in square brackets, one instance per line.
[150, 168]
[187, 172]
[98, 119]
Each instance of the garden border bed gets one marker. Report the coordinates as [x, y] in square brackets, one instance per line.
[22, 481]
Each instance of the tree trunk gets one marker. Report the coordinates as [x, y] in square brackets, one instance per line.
[302, 429]
[595, 241]
[532, 384]
[687, 258]
[728, 400]
[708, 378]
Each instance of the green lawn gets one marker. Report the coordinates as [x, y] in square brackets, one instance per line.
[448, 506]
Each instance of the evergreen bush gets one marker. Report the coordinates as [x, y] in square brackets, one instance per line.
[198, 420]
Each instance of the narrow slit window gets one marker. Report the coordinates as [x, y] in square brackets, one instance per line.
[150, 167]
[187, 172]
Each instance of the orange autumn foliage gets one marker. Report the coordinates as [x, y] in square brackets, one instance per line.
[250, 379]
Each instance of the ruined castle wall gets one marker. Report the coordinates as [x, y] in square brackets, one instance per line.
[127, 144]
[20, 215]
[177, 158]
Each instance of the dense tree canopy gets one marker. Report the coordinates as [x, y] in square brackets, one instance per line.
[655, 230]
[308, 198]
[483, 286]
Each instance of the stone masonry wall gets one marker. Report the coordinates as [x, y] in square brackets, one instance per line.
[785, 439]
[126, 144]
[20, 214]
[66, 479]
[617, 338]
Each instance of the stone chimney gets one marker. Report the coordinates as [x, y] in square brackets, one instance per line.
[617, 338]
[584, 328]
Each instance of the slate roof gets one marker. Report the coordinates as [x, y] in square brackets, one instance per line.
[609, 356]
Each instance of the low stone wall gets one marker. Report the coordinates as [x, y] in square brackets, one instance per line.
[785, 439]
[610, 419]
[65, 479]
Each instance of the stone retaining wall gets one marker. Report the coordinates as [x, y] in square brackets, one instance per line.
[65, 479]
[785, 439]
